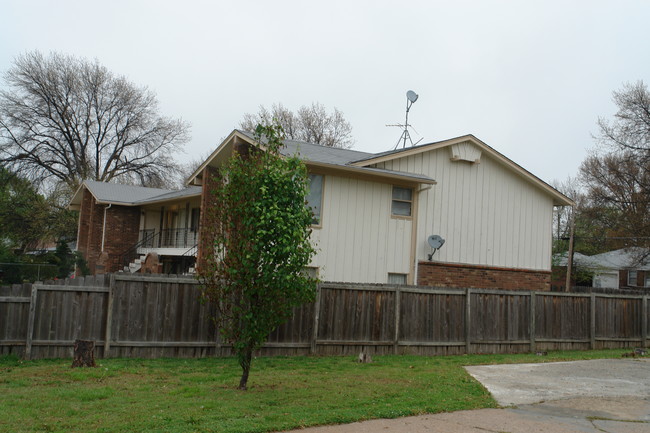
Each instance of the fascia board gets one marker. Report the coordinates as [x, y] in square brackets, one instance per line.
[231, 137]
[371, 173]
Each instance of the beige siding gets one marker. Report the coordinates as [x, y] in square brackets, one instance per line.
[151, 219]
[487, 214]
[358, 240]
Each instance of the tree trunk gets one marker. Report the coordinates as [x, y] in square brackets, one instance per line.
[84, 354]
[245, 362]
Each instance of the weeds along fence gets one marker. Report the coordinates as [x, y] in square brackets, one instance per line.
[148, 317]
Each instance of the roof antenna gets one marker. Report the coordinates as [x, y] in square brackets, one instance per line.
[411, 97]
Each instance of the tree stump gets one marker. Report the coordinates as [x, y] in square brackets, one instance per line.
[84, 354]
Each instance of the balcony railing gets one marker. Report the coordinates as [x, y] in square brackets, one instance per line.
[168, 238]
[186, 239]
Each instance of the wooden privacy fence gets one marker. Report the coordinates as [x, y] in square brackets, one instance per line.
[147, 317]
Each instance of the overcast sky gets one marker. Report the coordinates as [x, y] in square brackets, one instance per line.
[529, 78]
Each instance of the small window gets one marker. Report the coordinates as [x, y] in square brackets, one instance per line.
[315, 196]
[631, 278]
[647, 279]
[402, 201]
[310, 271]
[399, 279]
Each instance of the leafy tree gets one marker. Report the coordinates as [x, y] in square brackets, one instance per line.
[617, 179]
[25, 215]
[260, 224]
[66, 119]
[64, 259]
[310, 123]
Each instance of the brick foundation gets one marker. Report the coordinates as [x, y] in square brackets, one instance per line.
[481, 277]
[122, 230]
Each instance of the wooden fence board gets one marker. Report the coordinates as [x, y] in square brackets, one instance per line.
[155, 316]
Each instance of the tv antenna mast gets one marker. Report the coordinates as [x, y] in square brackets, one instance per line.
[411, 97]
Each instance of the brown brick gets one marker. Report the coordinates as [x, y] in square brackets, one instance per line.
[122, 231]
[481, 277]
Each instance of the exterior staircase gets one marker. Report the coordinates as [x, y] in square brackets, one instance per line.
[135, 265]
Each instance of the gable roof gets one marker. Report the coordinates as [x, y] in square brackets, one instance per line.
[314, 155]
[625, 258]
[128, 195]
[558, 198]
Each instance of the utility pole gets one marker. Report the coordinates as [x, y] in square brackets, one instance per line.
[569, 263]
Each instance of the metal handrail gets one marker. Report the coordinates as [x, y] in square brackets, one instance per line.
[192, 251]
[167, 238]
[132, 253]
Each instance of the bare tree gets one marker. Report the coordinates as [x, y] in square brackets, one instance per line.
[630, 129]
[561, 214]
[66, 119]
[617, 178]
[312, 124]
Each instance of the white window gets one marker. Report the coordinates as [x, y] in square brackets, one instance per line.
[315, 196]
[631, 278]
[394, 278]
[310, 271]
[402, 201]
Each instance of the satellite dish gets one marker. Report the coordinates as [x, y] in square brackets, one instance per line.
[435, 241]
[411, 96]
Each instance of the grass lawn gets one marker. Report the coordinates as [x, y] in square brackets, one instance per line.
[199, 395]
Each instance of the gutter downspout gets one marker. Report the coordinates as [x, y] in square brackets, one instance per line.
[104, 226]
[413, 269]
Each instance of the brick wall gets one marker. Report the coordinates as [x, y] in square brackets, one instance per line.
[481, 277]
[207, 201]
[122, 230]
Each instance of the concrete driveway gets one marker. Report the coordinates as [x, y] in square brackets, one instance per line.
[596, 396]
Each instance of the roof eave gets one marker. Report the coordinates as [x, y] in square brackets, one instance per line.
[234, 135]
[157, 201]
[362, 170]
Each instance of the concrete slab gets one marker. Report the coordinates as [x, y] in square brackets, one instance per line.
[516, 384]
[611, 396]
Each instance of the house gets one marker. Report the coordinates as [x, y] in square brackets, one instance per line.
[119, 224]
[374, 213]
[626, 268]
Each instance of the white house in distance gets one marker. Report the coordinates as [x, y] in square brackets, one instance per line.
[375, 212]
[626, 268]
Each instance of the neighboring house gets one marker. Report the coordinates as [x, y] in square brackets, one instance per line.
[375, 212]
[119, 224]
[618, 269]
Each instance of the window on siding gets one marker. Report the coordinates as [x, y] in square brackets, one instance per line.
[315, 196]
[402, 201]
[310, 271]
[396, 278]
[631, 278]
[647, 279]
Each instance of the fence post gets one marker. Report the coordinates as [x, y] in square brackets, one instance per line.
[644, 321]
[468, 321]
[314, 333]
[531, 323]
[398, 301]
[109, 317]
[30, 322]
[592, 325]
